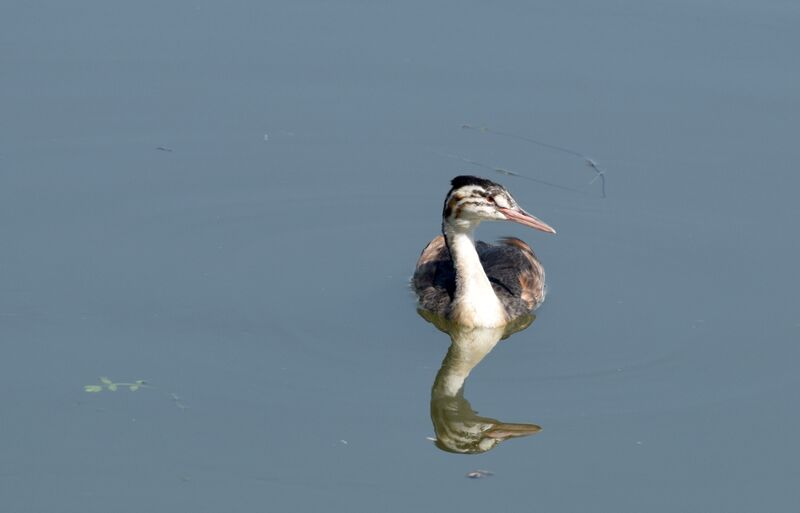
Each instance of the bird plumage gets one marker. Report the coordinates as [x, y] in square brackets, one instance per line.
[465, 281]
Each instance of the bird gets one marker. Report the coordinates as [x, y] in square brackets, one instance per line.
[479, 284]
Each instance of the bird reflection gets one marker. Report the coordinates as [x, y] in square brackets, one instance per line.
[458, 427]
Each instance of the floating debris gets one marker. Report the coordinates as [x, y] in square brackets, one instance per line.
[510, 173]
[477, 474]
[164, 148]
[600, 172]
[113, 386]
[177, 400]
[107, 384]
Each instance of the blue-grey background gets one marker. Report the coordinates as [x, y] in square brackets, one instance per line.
[256, 266]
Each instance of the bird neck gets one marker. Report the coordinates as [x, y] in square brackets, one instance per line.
[475, 302]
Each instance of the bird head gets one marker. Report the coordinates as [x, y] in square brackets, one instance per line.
[472, 200]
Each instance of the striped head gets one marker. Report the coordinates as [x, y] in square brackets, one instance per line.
[472, 200]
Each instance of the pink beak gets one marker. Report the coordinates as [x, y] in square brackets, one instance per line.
[520, 216]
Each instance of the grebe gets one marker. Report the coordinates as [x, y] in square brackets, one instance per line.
[483, 285]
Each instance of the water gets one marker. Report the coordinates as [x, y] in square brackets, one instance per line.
[254, 270]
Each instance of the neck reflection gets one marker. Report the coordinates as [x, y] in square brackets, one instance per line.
[458, 427]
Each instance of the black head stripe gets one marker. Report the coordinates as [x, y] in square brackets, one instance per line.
[461, 181]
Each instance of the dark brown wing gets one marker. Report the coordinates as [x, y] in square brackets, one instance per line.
[434, 277]
[515, 273]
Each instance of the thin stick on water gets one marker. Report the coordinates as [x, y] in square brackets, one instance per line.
[177, 400]
[509, 173]
[600, 172]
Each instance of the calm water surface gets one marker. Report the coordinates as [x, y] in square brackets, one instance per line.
[227, 201]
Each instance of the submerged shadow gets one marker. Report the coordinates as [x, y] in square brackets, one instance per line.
[459, 429]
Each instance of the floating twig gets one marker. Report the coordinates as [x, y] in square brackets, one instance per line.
[600, 172]
[177, 401]
[510, 173]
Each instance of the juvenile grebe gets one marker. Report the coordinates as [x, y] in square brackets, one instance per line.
[483, 285]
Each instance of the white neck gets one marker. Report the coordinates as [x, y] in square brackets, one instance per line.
[475, 303]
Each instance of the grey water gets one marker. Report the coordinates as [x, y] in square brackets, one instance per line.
[225, 201]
